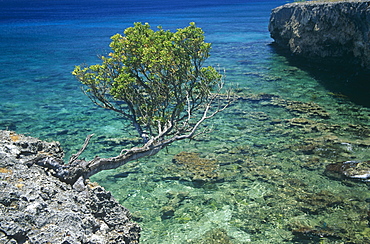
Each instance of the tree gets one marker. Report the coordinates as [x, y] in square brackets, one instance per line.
[156, 80]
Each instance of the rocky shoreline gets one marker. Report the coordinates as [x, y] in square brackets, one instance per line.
[324, 31]
[36, 207]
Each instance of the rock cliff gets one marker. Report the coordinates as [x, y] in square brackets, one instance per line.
[36, 207]
[324, 31]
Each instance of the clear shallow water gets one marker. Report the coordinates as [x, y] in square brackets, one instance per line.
[258, 178]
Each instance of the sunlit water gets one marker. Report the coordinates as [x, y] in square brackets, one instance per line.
[257, 178]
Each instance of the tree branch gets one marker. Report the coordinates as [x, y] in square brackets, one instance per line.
[74, 157]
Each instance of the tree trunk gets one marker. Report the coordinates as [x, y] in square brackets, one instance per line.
[71, 172]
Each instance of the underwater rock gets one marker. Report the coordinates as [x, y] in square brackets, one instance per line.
[304, 125]
[167, 212]
[349, 169]
[190, 166]
[361, 133]
[359, 130]
[214, 236]
[260, 97]
[314, 234]
[328, 146]
[36, 207]
[175, 199]
[310, 109]
[261, 116]
[263, 76]
[316, 203]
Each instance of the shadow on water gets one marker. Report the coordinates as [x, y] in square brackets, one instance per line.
[340, 78]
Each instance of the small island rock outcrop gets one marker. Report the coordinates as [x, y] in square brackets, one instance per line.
[36, 207]
[324, 31]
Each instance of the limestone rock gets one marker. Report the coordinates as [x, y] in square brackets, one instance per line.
[337, 30]
[36, 207]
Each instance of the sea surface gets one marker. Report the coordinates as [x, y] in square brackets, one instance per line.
[259, 177]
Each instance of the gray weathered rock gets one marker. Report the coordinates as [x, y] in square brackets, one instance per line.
[36, 207]
[349, 169]
[338, 31]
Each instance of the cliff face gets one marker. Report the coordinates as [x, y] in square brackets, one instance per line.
[335, 31]
[36, 207]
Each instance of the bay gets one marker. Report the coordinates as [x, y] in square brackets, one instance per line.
[257, 178]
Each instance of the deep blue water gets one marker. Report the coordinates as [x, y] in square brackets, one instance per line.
[271, 158]
[42, 41]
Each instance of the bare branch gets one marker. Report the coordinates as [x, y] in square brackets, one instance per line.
[74, 157]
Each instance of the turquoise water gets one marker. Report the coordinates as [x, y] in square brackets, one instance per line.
[257, 178]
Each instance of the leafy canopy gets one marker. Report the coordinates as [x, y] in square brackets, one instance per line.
[154, 78]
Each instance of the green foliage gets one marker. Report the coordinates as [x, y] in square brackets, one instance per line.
[153, 78]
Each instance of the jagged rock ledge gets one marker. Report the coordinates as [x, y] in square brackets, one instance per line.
[36, 207]
[324, 31]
